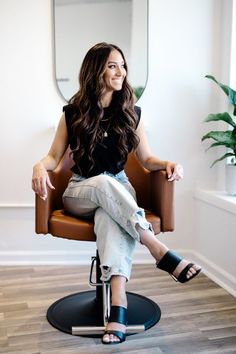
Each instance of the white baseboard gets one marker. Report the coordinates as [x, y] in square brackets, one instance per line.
[82, 257]
[141, 256]
[45, 258]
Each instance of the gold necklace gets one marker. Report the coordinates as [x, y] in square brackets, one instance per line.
[105, 131]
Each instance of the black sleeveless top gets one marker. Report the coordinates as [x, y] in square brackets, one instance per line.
[106, 155]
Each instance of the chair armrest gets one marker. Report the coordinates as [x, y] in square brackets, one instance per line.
[44, 208]
[162, 199]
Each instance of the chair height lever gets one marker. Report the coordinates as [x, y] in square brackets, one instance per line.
[91, 282]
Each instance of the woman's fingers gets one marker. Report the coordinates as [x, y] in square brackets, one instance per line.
[49, 183]
[39, 186]
[175, 172]
[40, 183]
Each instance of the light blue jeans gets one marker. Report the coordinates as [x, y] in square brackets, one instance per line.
[111, 200]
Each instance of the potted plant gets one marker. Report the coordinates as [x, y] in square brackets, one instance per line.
[225, 138]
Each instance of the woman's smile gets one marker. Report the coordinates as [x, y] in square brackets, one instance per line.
[115, 71]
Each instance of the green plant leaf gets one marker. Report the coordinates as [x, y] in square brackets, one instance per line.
[227, 90]
[228, 154]
[232, 97]
[221, 117]
[138, 91]
[225, 137]
[217, 144]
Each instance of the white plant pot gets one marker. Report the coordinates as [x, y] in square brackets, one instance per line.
[230, 181]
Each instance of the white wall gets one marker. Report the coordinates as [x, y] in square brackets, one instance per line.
[138, 61]
[185, 41]
[183, 49]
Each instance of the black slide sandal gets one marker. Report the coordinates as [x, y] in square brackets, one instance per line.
[118, 314]
[169, 263]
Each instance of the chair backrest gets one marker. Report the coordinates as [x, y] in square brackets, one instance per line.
[138, 176]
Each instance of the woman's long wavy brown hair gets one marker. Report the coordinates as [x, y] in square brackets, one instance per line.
[89, 110]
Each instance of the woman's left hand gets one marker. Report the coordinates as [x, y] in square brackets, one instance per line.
[175, 171]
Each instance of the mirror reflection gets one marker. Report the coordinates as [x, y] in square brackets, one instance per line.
[79, 24]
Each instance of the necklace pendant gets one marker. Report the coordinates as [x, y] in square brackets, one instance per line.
[105, 135]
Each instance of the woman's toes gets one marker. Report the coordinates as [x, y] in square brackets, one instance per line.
[193, 270]
[114, 338]
[110, 338]
[107, 338]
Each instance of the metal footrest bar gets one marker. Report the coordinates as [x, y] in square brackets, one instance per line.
[87, 330]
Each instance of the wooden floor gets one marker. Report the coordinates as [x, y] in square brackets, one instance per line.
[198, 317]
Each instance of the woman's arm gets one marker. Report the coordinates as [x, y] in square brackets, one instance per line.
[40, 178]
[152, 162]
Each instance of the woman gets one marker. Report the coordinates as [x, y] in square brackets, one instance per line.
[101, 125]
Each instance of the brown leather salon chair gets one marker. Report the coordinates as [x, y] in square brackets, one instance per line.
[86, 313]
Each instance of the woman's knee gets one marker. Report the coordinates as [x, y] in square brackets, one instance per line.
[79, 207]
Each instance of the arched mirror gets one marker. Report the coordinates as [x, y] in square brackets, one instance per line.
[79, 24]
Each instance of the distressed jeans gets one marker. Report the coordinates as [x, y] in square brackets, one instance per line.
[111, 200]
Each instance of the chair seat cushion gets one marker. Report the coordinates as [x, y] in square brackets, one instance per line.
[70, 227]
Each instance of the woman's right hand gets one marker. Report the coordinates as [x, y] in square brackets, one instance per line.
[40, 180]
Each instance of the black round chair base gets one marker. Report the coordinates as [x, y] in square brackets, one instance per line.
[82, 309]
